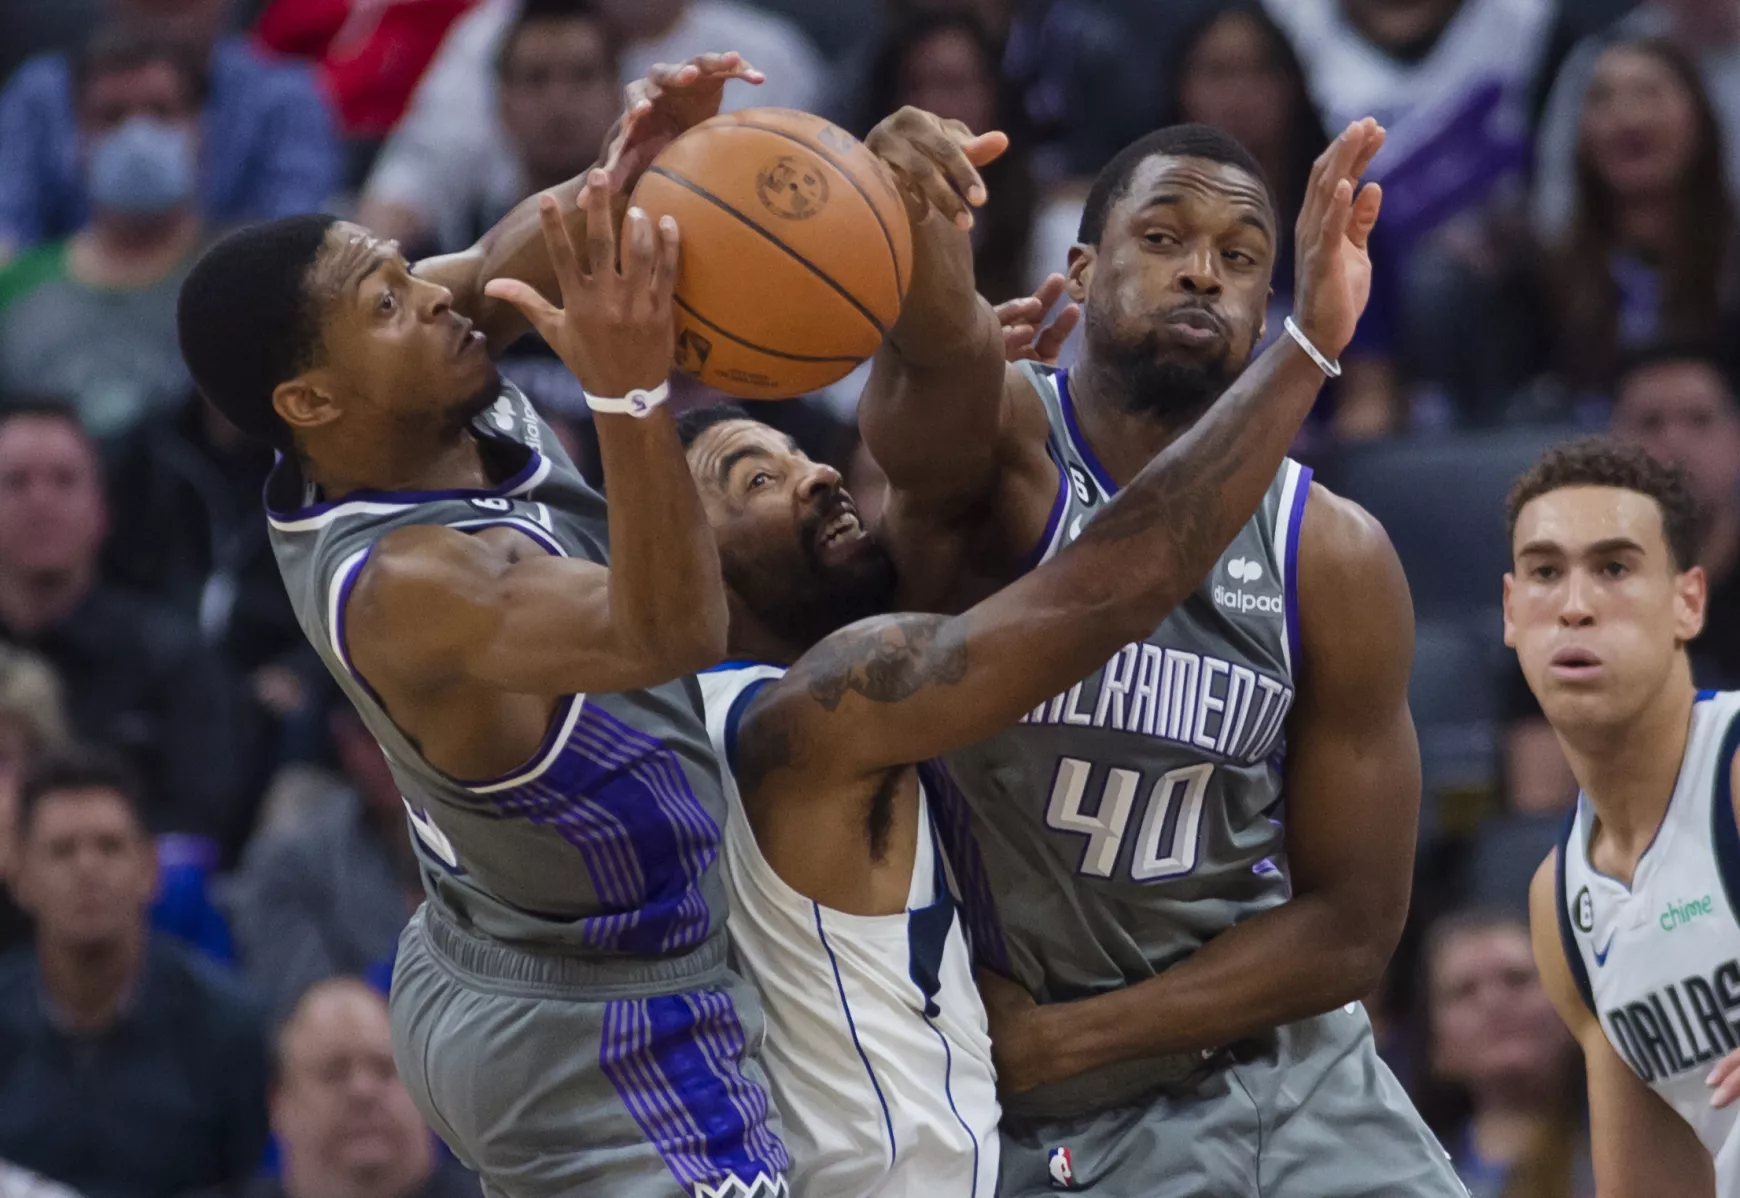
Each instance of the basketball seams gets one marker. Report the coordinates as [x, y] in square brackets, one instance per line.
[723, 206]
[840, 166]
[762, 349]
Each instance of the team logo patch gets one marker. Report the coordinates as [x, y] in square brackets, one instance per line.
[1085, 491]
[502, 414]
[693, 350]
[836, 139]
[732, 1187]
[1584, 912]
[1062, 1167]
[1243, 569]
[792, 188]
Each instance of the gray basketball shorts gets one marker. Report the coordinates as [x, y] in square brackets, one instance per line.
[1315, 1114]
[555, 1077]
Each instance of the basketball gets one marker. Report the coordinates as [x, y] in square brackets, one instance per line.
[796, 251]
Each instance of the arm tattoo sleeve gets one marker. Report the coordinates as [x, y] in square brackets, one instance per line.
[886, 661]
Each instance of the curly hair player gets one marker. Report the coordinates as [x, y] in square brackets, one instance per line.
[562, 1007]
[1636, 915]
[1169, 955]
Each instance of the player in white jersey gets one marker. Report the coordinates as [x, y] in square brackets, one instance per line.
[841, 910]
[1636, 915]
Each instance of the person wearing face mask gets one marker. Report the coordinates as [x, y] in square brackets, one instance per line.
[91, 319]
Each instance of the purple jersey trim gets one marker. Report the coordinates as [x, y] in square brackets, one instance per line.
[1290, 566]
[1059, 505]
[1082, 448]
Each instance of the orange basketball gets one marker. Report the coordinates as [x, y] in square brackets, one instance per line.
[796, 251]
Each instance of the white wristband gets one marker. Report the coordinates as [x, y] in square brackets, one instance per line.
[1332, 369]
[636, 403]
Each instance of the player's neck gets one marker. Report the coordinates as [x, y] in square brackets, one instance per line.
[1629, 773]
[454, 463]
[1123, 437]
[752, 639]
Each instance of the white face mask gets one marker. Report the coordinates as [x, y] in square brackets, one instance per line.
[144, 167]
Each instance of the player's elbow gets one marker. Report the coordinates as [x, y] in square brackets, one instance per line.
[1363, 946]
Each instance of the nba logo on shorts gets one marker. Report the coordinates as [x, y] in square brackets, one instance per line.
[1062, 1169]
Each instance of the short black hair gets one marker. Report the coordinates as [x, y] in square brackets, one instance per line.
[694, 422]
[128, 46]
[1604, 462]
[533, 11]
[1174, 141]
[247, 322]
[79, 768]
[1676, 353]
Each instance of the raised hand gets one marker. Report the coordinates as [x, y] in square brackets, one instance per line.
[936, 162]
[1025, 333]
[1724, 1080]
[615, 329]
[1333, 274]
[664, 105]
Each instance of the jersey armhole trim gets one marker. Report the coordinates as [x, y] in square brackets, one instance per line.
[1294, 495]
[1047, 543]
[734, 717]
[1567, 938]
[344, 581]
[1072, 431]
[1726, 832]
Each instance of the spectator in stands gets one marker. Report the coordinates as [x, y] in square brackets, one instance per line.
[135, 676]
[946, 63]
[1451, 80]
[330, 893]
[32, 722]
[132, 1066]
[1680, 405]
[268, 147]
[1649, 254]
[190, 535]
[91, 318]
[1708, 31]
[453, 128]
[1507, 1093]
[345, 1123]
[1235, 70]
[368, 55]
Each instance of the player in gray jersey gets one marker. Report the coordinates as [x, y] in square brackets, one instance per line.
[562, 1009]
[1179, 954]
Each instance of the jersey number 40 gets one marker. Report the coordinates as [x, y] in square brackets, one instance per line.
[1166, 844]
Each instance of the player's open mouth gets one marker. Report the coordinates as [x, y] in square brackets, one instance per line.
[839, 533]
[1576, 664]
[469, 339]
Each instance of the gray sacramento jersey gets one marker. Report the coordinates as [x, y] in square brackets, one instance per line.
[1120, 825]
[605, 843]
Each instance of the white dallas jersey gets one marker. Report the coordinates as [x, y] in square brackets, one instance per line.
[1659, 962]
[877, 1048]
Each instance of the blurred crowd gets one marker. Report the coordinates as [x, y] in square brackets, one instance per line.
[205, 862]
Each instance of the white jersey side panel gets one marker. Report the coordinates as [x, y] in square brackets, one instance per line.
[877, 1045]
[1659, 961]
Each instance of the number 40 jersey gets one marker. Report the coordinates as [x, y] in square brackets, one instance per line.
[1120, 825]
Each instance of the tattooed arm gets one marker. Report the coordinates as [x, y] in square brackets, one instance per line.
[897, 689]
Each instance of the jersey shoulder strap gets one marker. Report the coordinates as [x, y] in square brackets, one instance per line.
[727, 690]
[1725, 833]
[1567, 936]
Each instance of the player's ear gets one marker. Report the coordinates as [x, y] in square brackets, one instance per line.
[1509, 624]
[1691, 599]
[301, 403]
[1080, 272]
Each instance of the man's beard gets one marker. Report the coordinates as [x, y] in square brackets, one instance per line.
[1155, 381]
[803, 605]
[460, 417]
